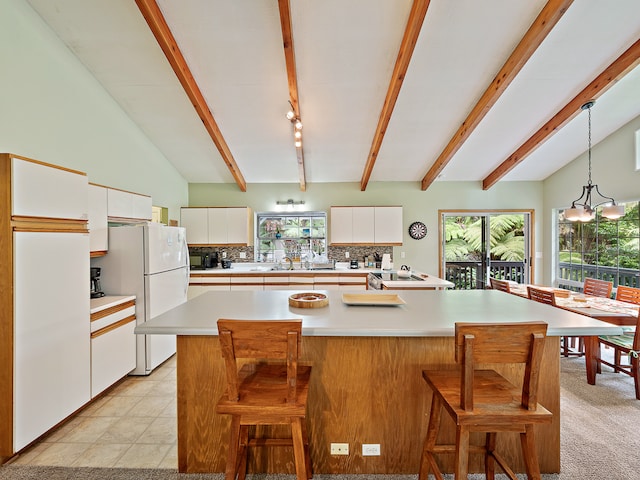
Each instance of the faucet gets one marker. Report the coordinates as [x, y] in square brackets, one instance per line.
[290, 262]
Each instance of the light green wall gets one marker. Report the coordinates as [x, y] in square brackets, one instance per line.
[418, 205]
[613, 169]
[52, 109]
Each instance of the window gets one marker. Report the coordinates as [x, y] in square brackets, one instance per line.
[296, 234]
[637, 149]
[604, 249]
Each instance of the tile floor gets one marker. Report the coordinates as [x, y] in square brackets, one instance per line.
[134, 426]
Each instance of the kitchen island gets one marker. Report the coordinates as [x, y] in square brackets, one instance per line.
[366, 383]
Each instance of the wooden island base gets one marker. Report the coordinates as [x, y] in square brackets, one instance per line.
[363, 390]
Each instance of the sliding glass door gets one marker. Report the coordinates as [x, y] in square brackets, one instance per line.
[479, 245]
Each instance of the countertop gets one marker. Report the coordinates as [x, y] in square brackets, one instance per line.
[253, 269]
[425, 313]
[108, 301]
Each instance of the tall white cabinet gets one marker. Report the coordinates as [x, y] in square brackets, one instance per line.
[44, 299]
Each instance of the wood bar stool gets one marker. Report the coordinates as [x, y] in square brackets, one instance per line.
[262, 393]
[483, 400]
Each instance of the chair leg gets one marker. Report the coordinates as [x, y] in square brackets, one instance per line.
[307, 454]
[529, 453]
[635, 373]
[232, 454]
[461, 469]
[298, 448]
[489, 460]
[430, 441]
[243, 452]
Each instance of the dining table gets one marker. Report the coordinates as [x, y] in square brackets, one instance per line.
[606, 309]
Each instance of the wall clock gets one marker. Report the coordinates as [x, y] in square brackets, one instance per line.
[417, 230]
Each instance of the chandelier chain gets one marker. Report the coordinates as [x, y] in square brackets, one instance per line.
[589, 155]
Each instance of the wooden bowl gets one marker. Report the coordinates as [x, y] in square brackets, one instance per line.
[308, 300]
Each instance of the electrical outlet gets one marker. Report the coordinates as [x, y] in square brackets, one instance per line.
[401, 254]
[346, 254]
[224, 254]
[370, 449]
[243, 254]
[339, 449]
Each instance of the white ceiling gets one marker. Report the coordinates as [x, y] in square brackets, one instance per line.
[345, 54]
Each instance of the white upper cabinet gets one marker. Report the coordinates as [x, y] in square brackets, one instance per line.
[388, 225]
[218, 225]
[341, 222]
[194, 220]
[42, 190]
[366, 225]
[122, 204]
[363, 231]
[98, 229]
[239, 225]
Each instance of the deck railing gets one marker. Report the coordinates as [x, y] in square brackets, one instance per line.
[576, 273]
[469, 275]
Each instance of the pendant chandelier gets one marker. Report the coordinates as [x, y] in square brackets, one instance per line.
[582, 209]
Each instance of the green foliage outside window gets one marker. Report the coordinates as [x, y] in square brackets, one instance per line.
[608, 249]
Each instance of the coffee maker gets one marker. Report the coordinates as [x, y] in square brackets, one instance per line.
[96, 290]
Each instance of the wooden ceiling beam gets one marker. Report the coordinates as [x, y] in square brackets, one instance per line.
[610, 75]
[292, 78]
[166, 40]
[540, 28]
[411, 32]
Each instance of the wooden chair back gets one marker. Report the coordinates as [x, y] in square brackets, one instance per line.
[260, 340]
[597, 288]
[478, 343]
[500, 285]
[541, 295]
[628, 294]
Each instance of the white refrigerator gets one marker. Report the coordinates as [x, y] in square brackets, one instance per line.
[150, 261]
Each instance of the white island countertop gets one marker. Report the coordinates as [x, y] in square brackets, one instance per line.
[430, 313]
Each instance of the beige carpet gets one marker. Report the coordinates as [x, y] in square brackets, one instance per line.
[600, 439]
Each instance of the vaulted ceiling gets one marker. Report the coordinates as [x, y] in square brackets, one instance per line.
[387, 90]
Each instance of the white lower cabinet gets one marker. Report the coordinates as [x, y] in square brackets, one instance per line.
[113, 343]
[51, 333]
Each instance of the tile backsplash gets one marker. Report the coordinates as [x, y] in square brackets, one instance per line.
[356, 252]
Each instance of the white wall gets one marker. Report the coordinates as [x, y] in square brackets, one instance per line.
[418, 205]
[52, 109]
[613, 169]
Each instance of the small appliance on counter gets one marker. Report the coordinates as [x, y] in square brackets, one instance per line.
[386, 261]
[198, 261]
[96, 289]
[226, 263]
[212, 260]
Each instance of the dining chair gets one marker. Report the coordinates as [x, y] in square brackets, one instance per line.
[628, 294]
[549, 297]
[500, 285]
[264, 393]
[482, 400]
[629, 344]
[541, 295]
[597, 288]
